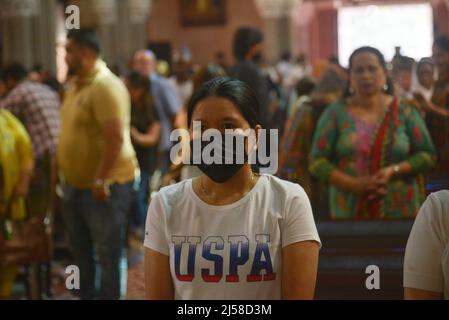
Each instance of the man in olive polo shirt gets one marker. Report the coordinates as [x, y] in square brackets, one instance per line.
[97, 165]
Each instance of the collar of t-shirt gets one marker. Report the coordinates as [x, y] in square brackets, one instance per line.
[82, 81]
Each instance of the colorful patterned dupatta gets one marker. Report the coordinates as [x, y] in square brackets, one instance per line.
[381, 155]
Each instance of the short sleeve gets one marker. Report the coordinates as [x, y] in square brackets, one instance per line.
[423, 150]
[155, 238]
[299, 224]
[423, 254]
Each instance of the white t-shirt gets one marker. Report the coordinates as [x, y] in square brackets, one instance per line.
[231, 251]
[426, 263]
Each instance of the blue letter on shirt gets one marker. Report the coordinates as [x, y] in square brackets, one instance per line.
[234, 259]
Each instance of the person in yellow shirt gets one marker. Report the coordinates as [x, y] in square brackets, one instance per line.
[97, 165]
[16, 166]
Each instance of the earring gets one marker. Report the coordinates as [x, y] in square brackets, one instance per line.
[351, 91]
[385, 87]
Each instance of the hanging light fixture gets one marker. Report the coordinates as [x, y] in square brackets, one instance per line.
[276, 8]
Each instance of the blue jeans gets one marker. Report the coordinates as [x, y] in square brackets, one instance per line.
[98, 228]
[140, 203]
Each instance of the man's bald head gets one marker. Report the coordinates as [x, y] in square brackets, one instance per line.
[144, 62]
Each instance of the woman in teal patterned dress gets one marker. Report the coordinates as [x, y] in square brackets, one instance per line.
[371, 147]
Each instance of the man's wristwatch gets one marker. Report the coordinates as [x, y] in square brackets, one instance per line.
[100, 183]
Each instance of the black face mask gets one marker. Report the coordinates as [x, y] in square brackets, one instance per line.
[219, 173]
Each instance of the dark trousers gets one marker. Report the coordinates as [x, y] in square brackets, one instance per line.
[140, 203]
[97, 229]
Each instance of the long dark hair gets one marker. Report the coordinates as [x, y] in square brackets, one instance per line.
[244, 39]
[232, 89]
[137, 81]
[382, 62]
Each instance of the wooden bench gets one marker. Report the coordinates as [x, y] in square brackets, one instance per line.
[349, 247]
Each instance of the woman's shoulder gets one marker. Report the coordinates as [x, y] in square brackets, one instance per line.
[339, 105]
[284, 189]
[336, 108]
[435, 213]
[440, 203]
[169, 194]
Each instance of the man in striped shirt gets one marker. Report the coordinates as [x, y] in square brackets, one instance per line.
[37, 107]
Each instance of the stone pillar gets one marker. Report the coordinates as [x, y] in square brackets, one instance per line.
[120, 25]
[133, 17]
[277, 15]
[28, 32]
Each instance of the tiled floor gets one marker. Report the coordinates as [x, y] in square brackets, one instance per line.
[135, 278]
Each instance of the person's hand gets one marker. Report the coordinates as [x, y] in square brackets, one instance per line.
[134, 133]
[384, 175]
[101, 193]
[370, 186]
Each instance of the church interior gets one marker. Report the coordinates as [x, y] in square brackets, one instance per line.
[306, 57]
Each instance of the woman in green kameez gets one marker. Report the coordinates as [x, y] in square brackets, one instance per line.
[371, 147]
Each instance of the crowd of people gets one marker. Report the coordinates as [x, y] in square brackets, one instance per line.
[370, 138]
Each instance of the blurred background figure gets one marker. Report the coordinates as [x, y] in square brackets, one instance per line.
[166, 101]
[39, 74]
[182, 80]
[285, 70]
[402, 75]
[247, 49]
[37, 106]
[220, 59]
[182, 172]
[423, 85]
[145, 135]
[297, 140]
[97, 166]
[371, 147]
[425, 75]
[437, 116]
[16, 167]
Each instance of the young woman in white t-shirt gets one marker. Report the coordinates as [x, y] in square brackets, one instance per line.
[426, 262]
[230, 233]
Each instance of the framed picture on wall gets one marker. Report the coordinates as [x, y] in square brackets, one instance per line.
[203, 12]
